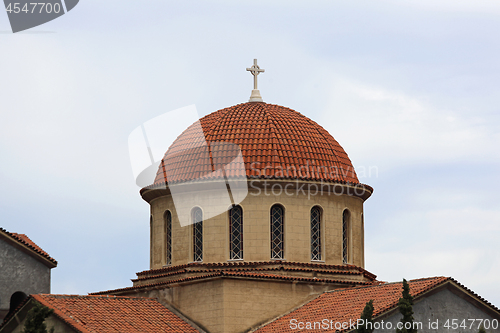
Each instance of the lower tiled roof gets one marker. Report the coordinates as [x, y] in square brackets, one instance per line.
[347, 304]
[112, 314]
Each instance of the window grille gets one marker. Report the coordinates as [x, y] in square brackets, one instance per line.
[316, 233]
[345, 236]
[168, 237]
[277, 246]
[236, 233]
[197, 216]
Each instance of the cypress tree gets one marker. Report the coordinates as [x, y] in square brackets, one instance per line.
[366, 315]
[405, 305]
[35, 319]
[481, 329]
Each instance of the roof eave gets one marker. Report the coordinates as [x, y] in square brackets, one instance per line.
[337, 187]
[28, 250]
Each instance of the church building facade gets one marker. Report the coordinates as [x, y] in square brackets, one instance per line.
[298, 232]
[256, 219]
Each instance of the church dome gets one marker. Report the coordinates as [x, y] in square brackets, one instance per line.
[276, 142]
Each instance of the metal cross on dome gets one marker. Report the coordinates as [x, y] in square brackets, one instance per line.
[255, 70]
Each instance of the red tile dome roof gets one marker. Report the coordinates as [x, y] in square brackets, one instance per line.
[276, 142]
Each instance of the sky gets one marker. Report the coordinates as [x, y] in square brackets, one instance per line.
[409, 89]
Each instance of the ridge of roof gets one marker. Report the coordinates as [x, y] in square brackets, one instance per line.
[27, 242]
[435, 281]
[382, 283]
[475, 294]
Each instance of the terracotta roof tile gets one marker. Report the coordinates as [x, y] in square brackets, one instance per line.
[26, 241]
[293, 278]
[111, 314]
[257, 274]
[254, 270]
[342, 305]
[345, 269]
[268, 135]
[238, 274]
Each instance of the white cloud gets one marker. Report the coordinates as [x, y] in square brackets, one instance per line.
[466, 6]
[436, 237]
[395, 128]
[472, 223]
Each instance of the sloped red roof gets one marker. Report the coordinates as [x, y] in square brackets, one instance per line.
[111, 314]
[342, 305]
[26, 241]
[273, 139]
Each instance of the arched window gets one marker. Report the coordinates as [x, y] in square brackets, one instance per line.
[197, 217]
[167, 218]
[277, 232]
[236, 233]
[346, 233]
[316, 233]
[15, 300]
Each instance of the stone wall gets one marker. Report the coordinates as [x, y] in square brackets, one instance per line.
[438, 308]
[256, 228]
[20, 272]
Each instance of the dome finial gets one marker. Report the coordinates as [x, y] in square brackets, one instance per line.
[255, 70]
